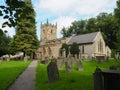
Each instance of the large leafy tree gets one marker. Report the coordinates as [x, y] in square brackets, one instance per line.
[26, 38]
[108, 26]
[4, 44]
[104, 22]
[91, 25]
[12, 48]
[78, 27]
[74, 49]
[12, 11]
[64, 32]
[117, 17]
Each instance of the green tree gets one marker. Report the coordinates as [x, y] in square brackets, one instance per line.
[78, 27]
[12, 47]
[104, 22]
[74, 49]
[12, 12]
[107, 25]
[117, 17]
[117, 12]
[4, 44]
[64, 32]
[91, 25]
[26, 39]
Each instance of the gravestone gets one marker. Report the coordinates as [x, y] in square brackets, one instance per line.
[52, 71]
[100, 58]
[111, 79]
[45, 60]
[106, 80]
[25, 58]
[79, 63]
[71, 60]
[67, 65]
[98, 83]
[60, 62]
[113, 68]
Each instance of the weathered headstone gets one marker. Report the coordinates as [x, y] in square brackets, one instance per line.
[60, 62]
[79, 63]
[45, 60]
[52, 70]
[98, 83]
[64, 54]
[25, 58]
[68, 65]
[106, 80]
[71, 59]
[111, 79]
[113, 68]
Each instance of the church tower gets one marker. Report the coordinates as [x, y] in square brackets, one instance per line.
[48, 32]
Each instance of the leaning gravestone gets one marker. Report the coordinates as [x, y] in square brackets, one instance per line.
[60, 62]
[98, 82]
[68, 65]
[52, 70]
[79, 63]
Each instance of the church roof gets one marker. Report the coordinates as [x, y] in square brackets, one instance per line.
[83, 39]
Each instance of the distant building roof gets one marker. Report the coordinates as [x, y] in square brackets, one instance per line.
[83, 39]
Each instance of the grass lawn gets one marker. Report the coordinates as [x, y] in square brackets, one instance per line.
[75, 80]
[9, 71]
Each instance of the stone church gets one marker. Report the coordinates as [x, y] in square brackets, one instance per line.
[91, 45]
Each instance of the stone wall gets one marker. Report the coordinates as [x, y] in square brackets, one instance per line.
[50, 45]
[51, 48]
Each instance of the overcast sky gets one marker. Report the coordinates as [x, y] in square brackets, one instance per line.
[66, 11]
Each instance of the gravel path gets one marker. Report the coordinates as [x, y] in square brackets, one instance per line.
[26, 81]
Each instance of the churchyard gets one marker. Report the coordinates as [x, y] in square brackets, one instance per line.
[74, 80]
[9, 71]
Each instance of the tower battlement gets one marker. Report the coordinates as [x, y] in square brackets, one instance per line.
[48, 24]
[48, 32]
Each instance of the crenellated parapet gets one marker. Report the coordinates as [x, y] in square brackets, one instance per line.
[48, 24]
[48, 32]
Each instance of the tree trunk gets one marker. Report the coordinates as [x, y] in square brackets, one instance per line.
[24, 56]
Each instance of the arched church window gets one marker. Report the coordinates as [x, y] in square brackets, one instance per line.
[100, 46]
[83, 49]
